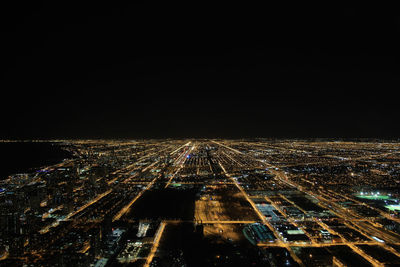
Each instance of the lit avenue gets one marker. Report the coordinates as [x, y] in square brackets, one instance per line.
[205, 202]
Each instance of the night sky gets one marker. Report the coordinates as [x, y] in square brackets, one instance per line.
[129, 71]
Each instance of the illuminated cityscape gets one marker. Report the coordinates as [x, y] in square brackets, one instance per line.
[206, 202]
[151, 135]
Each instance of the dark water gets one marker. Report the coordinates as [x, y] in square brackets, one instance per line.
[22, 157]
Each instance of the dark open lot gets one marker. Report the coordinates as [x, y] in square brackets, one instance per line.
[306, 204]
[381, 254]
[205, 251]
[347, 256]
[166, 203]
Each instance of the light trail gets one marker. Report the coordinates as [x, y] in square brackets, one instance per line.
[70, 215]
[172, 177]
[183, 155]
[213, 221]
[173, 152]
[155, 244]
[151, 165]
[235, 150]
[85, 248]
[317, 245]
[88, 204]
[128, 206]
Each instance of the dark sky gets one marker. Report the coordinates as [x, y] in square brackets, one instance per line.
[130, 71]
